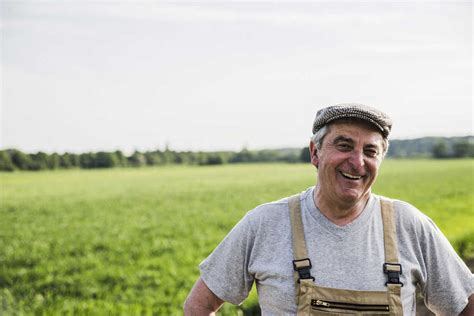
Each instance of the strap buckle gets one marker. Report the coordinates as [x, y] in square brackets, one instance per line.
[303, 267]
[393, 271]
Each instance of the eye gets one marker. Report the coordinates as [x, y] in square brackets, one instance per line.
[371, 153]
[344, 147]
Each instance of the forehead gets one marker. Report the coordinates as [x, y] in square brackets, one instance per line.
[356, 131]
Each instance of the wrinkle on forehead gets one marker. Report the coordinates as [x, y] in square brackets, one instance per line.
[344, 132]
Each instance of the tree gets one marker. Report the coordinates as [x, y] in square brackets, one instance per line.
[151, 158]
[121, 159]
[54, 161]
[137, 159]
[75, 160]
[440, 150]
[168, 156]
[105, 160]
[463, 149]
[6, 163]
[185, 157]
[214, 159]
[243, 156]
[65, 161]
[87, 160]
[40, 160]
[305, 156]
[21, 160]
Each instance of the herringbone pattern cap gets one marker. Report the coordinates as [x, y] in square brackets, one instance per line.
[353, 110]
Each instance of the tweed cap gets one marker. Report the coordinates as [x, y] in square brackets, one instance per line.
[353, 110]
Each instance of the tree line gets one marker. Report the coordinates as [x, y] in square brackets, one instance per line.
[13, 159]
[432, 147]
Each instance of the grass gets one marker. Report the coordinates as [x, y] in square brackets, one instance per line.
[128, 241]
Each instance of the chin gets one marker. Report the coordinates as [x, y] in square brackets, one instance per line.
[349, 200]
[352, 197]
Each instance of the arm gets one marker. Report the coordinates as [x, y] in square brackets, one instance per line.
[201, 300]
[469, 310]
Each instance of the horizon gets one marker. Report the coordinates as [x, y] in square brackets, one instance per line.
[170, 148]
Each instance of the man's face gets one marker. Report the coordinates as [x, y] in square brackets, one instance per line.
[348, 161]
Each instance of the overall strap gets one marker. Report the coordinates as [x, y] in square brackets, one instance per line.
[301, 262]
[389, 231]
[392, 266]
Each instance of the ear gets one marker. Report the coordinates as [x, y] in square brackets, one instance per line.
[313, 152]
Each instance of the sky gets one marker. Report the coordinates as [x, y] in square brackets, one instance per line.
[83, 76]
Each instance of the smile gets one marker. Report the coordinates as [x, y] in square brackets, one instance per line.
[350, 176]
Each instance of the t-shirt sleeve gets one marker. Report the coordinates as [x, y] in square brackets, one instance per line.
[447, 282]
[225, 271]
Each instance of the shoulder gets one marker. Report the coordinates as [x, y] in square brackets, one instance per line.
[410, 219]
[267, 214]
[404, 210]
[272, 215]
[275, 209]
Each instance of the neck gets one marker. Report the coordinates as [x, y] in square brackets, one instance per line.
[339, 212]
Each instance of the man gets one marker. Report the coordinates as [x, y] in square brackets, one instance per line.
[337, 248]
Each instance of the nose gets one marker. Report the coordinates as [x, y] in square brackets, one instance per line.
[357, 159]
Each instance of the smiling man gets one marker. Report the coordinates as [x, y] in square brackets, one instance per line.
[337, 248]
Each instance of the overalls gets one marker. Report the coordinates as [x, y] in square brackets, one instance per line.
[322, 301]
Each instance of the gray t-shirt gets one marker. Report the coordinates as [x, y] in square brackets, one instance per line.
[259, 248]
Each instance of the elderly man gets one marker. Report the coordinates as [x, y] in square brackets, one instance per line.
[337, 248]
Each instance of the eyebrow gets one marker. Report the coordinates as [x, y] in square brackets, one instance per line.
[342, 139]
[371, 146]
[347, 139]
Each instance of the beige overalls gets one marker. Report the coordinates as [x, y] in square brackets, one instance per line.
[317, 300]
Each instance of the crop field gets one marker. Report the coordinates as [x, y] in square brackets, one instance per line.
[129, 241]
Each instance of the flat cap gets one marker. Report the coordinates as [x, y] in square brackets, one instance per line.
[353, 110]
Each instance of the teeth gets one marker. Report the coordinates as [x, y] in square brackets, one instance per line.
[350, 176]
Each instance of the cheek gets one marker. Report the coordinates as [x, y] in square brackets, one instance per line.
[374, 169]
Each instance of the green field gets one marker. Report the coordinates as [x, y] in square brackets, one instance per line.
[128, 241]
